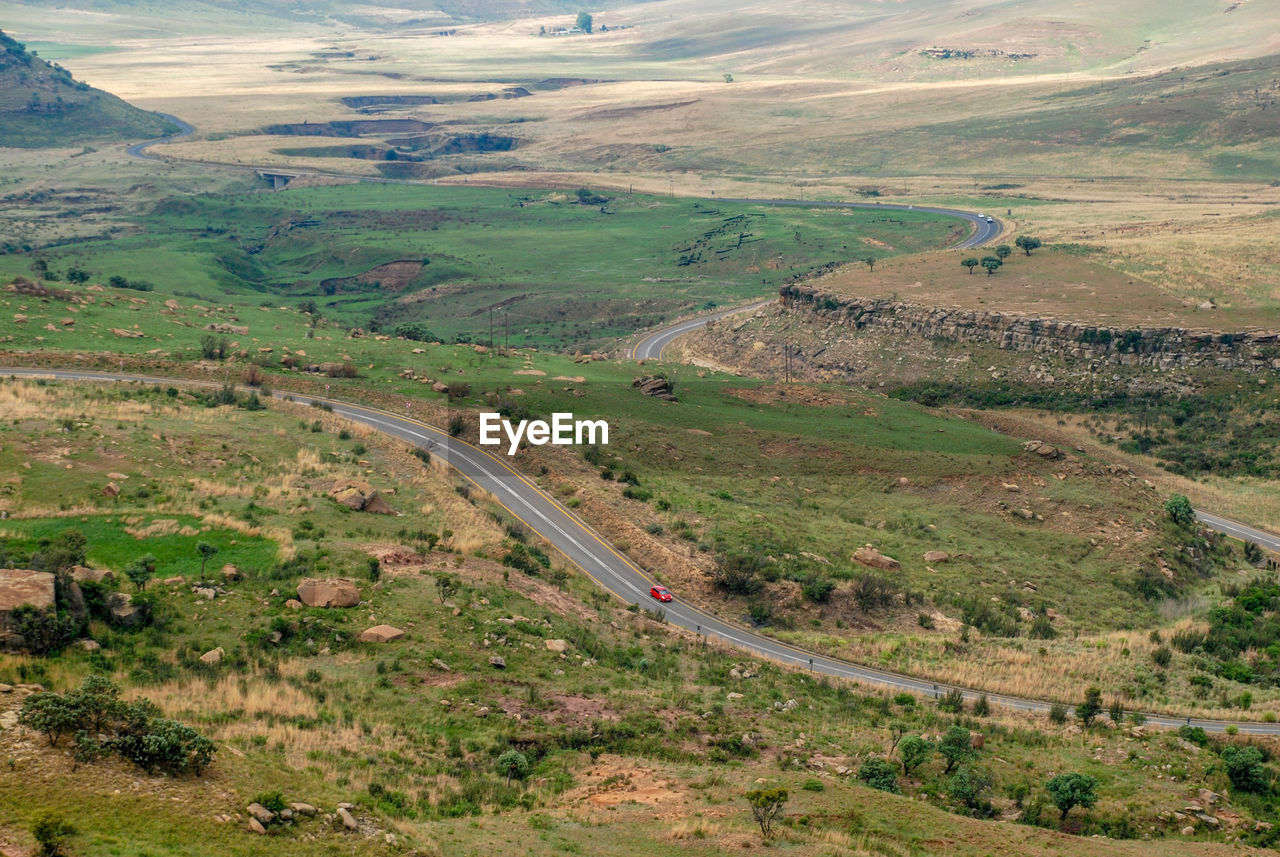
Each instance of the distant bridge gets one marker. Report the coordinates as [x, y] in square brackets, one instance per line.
[277, 179]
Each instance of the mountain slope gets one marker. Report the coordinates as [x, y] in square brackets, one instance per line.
[41, 105]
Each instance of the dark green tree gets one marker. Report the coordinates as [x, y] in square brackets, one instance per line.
[1003, 251]
[585, 22]
[1028, 243]
[991, 263]
[1072, 790]
[1245, 769]
[1090, 708]
[51, 713]
[514, 765]
[970, 786]
[1179, 510]
[870, 262]
[880, 774]
[50, 832]
[766, 805]
[914, 751]
[955, 747]
[970, 263]
[206, 552]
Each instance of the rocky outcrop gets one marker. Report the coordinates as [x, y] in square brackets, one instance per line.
[872, 558]
[339, 592]
[360, 497]
[21, 587]
[381, 634]
[656, 386]
[123, 611]
[1161, 347]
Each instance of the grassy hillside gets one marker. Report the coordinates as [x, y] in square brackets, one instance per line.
[633, 739]
[552, 270]
[688, 489]
[41, 105]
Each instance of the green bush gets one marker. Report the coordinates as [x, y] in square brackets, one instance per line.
[879, 774]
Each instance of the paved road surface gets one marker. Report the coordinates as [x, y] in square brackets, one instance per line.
[651, 346]
[614, 571]
[139, 150]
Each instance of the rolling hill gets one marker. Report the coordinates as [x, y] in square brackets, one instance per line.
[42, 105]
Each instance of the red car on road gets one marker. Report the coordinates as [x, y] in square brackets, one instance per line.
[661, 593]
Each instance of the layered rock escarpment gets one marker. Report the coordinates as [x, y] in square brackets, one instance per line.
[1159, 347]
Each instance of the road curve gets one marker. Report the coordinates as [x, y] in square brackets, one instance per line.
[651, 346]
[613, 571]
[139, 150]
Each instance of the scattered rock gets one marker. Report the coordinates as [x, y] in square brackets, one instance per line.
[206, 593]
[260, 813]
[1209, 797]
[81, 574]
[871, 557]
[1042, 449]
[177, 580]
[381, 634]
[348, 820]
[559, 646]
[338, 592]
[360, 497]
[937, 556]
[293, 604]
[440, 665]
[231, 573]
[303, 809]
[123, 611]
[257, 827]
[734, 695]
[659, 388]
[498, 662]
[214, 656]
[111, 490]
[482, 711]
[1188, 831]
[88, 645]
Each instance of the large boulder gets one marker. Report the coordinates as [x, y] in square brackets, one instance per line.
[20, 587]
[74, 599]
[656, 386]
[123, 611]
[872, 558]
[82, 574]
[339, 592]
[381, 634]
[360, 497]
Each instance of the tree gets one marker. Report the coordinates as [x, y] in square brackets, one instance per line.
[1072, 790]
[375, 569]
[50, 713]
[139, 573]
[77, 275]
[970, 786]
[50, 831]
[1091, 706]
[870, 262]
[880, 774]
[766, 805]
[1179, 510]
[584, 22]
[1004, 251]
[955, 747]
[991, 263]
[1028, 243]
[1245, 769]
[446, 586]
[97, 702]
[970, 263]
[914, 751]
[206, 551]
[514, 765]
[1116, 712]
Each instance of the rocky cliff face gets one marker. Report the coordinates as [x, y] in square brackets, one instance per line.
[1157, 347]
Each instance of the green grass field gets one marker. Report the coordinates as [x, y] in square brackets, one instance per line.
[556, 272]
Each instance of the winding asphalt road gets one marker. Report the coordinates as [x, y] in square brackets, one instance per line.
[613, 571]
[139, 150]
[650, 347]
